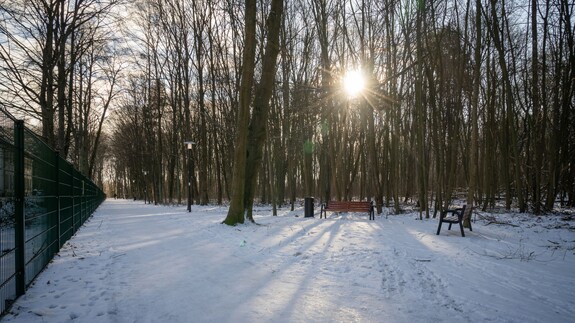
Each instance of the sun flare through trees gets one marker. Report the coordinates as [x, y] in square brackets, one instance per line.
[353, 83]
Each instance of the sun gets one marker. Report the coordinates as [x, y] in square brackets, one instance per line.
[353, 83]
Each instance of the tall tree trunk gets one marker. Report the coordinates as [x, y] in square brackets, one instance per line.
[538, 121]
[203, 168]
[320, 14]
[420, 115]
[46, 99]
[474, 107]
[258, 124]
[567, 129]
[237, 203]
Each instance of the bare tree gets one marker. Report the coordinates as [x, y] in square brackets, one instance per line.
[40, 55]
[236, 213]
[258, 124]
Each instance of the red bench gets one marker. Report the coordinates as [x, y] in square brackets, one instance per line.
[348, 206]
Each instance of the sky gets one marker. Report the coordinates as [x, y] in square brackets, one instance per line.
[136, 262]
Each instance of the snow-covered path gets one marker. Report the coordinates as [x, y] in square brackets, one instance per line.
[133, 262]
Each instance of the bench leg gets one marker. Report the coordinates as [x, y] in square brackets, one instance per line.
[449, 228]
[439, 227]
[461, 227]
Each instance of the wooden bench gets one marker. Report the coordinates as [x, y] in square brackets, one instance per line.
[348, 206]
[456, 217]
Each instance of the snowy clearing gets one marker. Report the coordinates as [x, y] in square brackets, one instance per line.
[133, 262]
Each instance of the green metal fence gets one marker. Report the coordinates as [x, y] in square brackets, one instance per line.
[43, 202]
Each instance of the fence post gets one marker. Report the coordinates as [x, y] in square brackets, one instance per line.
[19, 189]
[72, 182]
[59, 204]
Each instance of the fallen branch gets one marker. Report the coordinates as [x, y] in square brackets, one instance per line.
[502, 223]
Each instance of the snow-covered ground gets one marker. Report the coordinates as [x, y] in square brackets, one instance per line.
[133, 262]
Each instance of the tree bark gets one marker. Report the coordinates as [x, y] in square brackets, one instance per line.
[420, 116]
[473, 118]
[237, 203]
[258, 124]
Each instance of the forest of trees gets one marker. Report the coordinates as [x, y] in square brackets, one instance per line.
[464, 98]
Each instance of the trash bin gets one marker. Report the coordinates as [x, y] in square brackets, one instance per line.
[308, 207]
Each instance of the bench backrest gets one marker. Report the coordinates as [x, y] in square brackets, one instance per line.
[351, 206]
[464, 212]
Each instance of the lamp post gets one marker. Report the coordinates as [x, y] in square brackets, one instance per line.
[190, 171]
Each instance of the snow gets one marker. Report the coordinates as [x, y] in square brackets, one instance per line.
[135, 262]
